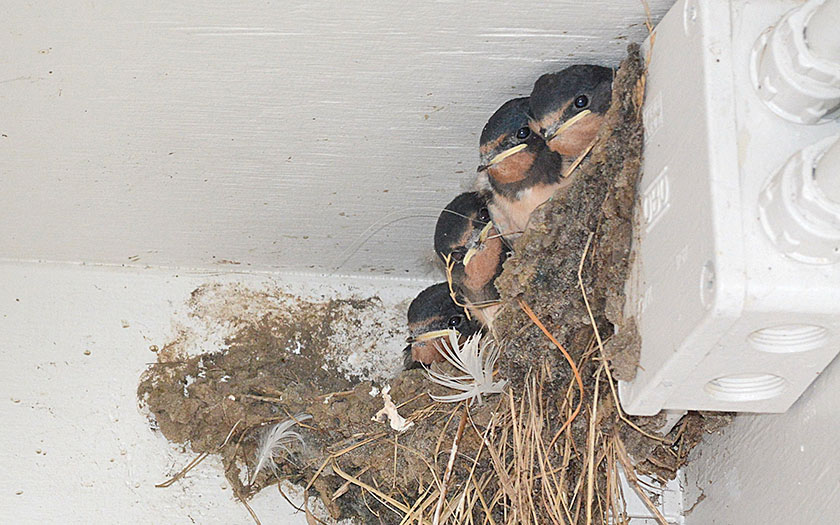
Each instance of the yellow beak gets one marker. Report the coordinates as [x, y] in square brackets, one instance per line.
[481, 238]
[507, 153]
[428, 336]
[569, 123]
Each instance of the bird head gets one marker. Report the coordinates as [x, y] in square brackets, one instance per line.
[471, 248]
[432, 315]
[568, 107]
[508, 147]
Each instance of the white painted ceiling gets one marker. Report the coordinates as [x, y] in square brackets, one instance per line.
[265, 135]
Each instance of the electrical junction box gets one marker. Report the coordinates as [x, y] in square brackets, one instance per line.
[736, 311]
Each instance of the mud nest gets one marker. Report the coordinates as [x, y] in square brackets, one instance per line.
[548, 450]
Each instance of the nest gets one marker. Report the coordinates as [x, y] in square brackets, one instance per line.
[547, 450]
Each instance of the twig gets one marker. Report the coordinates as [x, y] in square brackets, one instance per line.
[450, 264]
[443, 434]
[336, 394]
[630, 473]
[248, 508]
[601, 347]
[575, 371]
[418, 396]
[310, 517]
[341, 452]
[590, 467]
[394, 481]
[342, 490]
[573, 166]
[198, 459]
[475, 463]
[416, 511]
[374, 491]
[448, 473]
[192, 464]
[267, 399]
[288, 500]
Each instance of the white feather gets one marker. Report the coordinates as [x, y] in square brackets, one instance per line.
[273, 440]
[476, 359]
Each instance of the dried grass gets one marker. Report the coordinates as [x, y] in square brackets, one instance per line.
[535, 475]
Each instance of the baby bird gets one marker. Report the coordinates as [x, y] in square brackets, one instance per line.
[431, 316]
[467, 241]
[568, 107]
[517, 168]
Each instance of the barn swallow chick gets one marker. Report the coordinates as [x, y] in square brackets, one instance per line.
[568, 107]
[473, 251]
[517, 167]
[431, 317]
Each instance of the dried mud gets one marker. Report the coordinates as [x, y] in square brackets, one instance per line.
[279, 361]
[544, 270]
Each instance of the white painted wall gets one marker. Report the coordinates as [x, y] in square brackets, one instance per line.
[73, 343]
[270, 134]
[232, 137]
[76, 449]
[772, 469]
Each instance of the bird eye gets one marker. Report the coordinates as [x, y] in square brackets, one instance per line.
[508, 254]
[523, 133]
[582, 101]
[458, 255]
[454, 321]
[484, 215]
